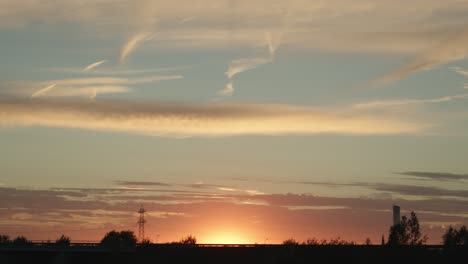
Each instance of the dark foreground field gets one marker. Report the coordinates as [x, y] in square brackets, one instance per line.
[233, 254]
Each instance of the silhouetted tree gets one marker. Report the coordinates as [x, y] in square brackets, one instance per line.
[4, 239]
[188, 240]
[63, 241]
[383, 240]
[21, 241]
[407, 232]
[119, 240]
[368, 242]
[311, 242]
[463, 236]
[454, 237]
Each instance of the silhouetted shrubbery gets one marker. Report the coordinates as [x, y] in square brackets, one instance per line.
[21, 241]
[188, 240]
[454, 237]
[63, 241]
[4, 239]
[290, 242]
[119, 240]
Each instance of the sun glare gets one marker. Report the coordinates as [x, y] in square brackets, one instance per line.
[226, 237]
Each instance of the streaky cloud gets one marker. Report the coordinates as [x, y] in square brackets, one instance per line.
[93, 65]
[132, 44]
[399, 102]
[114, 80]
[441, 176]
[242, 65]
[88, 91]
[43, 91]
[116, 71]
[143, 183]
[452, 49]
[202, 120]
[460, 70]
[187, 19]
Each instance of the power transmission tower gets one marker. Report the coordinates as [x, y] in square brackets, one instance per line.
[141, 224]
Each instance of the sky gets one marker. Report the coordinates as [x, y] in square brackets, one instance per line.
[234, 121]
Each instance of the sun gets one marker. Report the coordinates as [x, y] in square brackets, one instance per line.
[225, 237]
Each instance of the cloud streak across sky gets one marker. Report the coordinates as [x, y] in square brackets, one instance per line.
[93, 65]
[440, 176]
[402, 102]
[91, 87]
[452, 49]
[133, 43]
[181, 119]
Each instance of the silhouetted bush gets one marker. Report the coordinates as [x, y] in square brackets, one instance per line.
[63, 241]
[290, 242]
[188, 240]
[21, 241]
[311, 242]
[4, 239]
[407, 232]
[119, 240]
[454, 237]
[146, 242]
[338, 242]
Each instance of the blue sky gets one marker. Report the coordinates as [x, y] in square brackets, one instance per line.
[327, 99]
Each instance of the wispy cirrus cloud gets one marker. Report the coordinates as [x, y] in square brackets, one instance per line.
[228, 91]
[453, 48]
[460, 70]
[357, 26]
[43, 90]
[115, 70]
[187, 19]
[133, 43]
[91, 87]
[90, 91]
[172, 119]
[114, 80]
[93, 65]
[400, 102]
[241, 65]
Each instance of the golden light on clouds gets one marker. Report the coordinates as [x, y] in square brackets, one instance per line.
[182, 119]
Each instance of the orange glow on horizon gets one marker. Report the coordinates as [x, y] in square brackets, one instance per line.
[226, 235]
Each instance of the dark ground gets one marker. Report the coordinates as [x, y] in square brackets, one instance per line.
[233, 254]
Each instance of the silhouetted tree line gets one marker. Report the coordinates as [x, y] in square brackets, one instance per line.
[315, 242]
[407, 232]
[23, 241]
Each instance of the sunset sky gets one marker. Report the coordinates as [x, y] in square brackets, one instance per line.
[235, 121]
